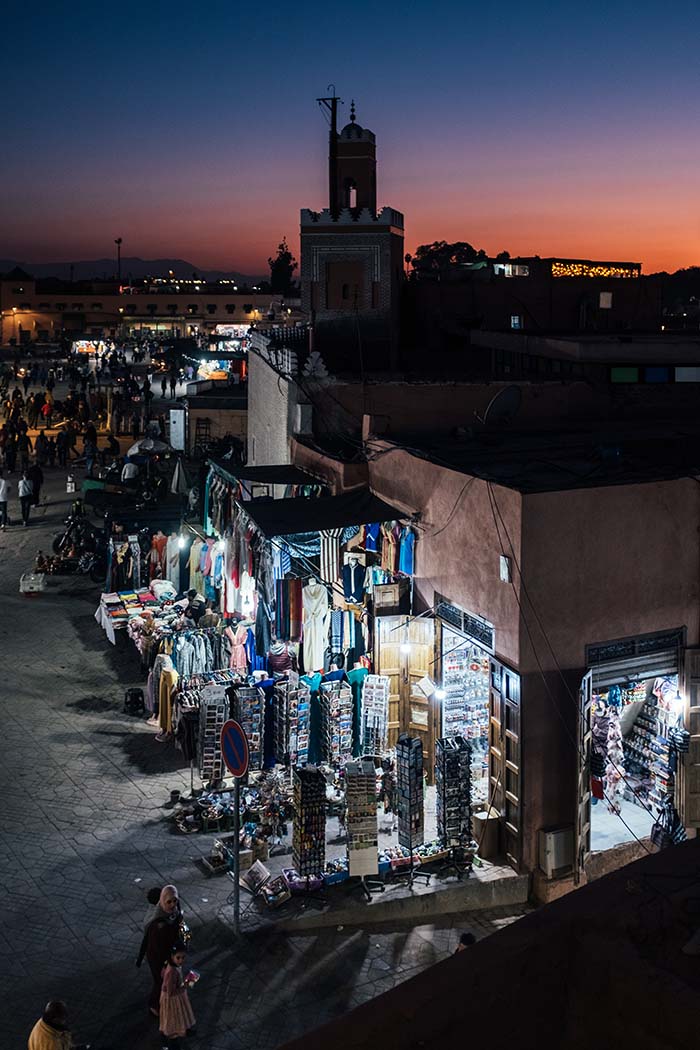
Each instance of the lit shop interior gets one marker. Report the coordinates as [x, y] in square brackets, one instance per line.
[303, 624]
[637, 738]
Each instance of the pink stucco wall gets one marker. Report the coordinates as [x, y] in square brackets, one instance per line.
[598, 564]
[458, 550]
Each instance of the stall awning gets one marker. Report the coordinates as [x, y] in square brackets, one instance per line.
[281, 474]
[288, 517]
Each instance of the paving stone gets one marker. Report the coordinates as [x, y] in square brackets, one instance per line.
[85, 815]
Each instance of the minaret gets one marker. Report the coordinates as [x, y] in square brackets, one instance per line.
[352, 257]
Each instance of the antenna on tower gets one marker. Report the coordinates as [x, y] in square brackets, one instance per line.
[331, 105]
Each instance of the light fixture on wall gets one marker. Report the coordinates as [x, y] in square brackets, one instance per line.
[440, 694]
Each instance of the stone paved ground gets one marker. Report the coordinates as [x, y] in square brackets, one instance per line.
[84, 834]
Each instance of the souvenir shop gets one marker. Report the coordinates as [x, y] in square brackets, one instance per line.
[635, 712]
[281, 636]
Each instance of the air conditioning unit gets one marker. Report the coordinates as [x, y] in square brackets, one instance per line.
[556, 847]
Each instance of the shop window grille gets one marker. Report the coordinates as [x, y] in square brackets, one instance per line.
[626, 648]
[473, 627]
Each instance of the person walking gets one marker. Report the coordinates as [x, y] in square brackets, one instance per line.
[26, 380]
[4, 496]
[163, 385]
[62, 448]
[173, 383]
[90, 456]
[32, 411]
[40, 444]
[176, 1016]
[36, 476]
[161, 932]
[11, 452]
[51, 451]
[24, 447]
[52, 1031]
[24, 491]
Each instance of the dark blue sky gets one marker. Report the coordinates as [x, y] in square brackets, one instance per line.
[192, 131]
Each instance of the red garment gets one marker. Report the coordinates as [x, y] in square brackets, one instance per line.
[156, 557]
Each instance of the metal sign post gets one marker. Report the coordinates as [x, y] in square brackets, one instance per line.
[235, 753]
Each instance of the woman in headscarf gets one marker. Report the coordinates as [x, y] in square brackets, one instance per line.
[161, 933]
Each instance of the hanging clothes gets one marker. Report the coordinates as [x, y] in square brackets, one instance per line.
[172, 560]
[371, 537]
[316, 623]
[330, 554]
[406, 551]
[196, 581]
[237, 640]
[356, 678]
[354, 582]
[388, 555]
[167, 684]
[156, 557]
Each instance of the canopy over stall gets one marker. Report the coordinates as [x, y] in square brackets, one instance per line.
[287, 517]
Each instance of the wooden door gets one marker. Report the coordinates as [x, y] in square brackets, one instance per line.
[387, 660]
[504, 758]
[419, 663]
[688, 779]
[410, 710]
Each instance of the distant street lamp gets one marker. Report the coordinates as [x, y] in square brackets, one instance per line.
[118, 242]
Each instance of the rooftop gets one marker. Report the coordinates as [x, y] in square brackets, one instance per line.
[538, 461]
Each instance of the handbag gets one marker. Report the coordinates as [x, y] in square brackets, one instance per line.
[659, 835]
[134, 702]
[185, 932]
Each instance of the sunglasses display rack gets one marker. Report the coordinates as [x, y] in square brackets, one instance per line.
[409, 780]
[465, 709]
[213, 712]
[303, 717]
[309, 831]
[286, 723]
[361, 818]
[249, 710]
[453, 757]
[375, 714]
[336, 722]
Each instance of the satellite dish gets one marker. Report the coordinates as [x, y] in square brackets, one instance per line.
[502, 408]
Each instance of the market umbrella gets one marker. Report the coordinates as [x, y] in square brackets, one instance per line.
[147, 445]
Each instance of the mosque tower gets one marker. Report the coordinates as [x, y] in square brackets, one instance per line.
[352, 258]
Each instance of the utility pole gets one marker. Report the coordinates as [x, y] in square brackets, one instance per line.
[331, 105]
[118, 242]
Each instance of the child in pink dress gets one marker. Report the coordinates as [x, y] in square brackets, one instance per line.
[176, 1017]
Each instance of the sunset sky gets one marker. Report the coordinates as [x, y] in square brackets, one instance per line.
[191, 130]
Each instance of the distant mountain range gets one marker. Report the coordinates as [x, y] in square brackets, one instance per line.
[90, 269]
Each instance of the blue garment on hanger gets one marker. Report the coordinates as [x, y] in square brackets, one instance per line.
[406, 551]
[372, 536]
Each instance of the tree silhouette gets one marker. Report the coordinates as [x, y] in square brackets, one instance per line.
[440, 257]
[282, 268]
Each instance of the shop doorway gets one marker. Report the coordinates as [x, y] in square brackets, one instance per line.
[627, 768]
[632, 773]
[406, 654]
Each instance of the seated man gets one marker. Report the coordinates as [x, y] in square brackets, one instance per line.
[196, 606]
[130, 473]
